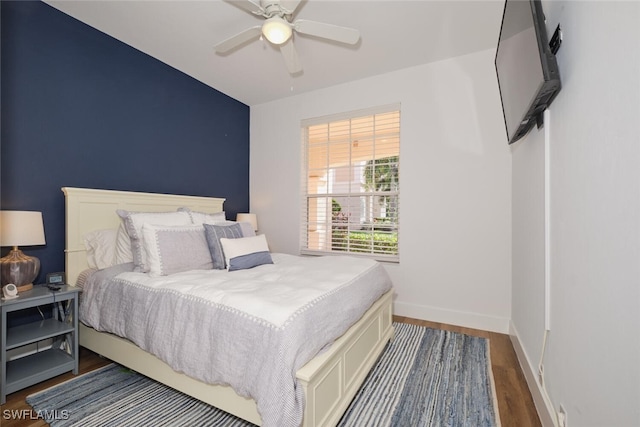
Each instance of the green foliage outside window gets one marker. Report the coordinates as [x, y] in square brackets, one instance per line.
[380, 175]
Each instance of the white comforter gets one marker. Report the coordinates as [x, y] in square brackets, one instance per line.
[251, 329]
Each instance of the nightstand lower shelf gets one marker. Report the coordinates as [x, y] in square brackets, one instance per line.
[37, 367]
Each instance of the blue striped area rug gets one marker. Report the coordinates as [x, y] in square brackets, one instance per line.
[425, 377]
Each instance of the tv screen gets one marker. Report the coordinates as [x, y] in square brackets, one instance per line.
[528, 75]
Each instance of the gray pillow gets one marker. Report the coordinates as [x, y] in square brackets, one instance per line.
[172, 249]
[133, 222]
[214, 233]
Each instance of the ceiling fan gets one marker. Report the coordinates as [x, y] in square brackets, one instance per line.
[278, 29]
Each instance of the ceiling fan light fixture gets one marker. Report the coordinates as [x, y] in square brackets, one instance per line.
[276, 30]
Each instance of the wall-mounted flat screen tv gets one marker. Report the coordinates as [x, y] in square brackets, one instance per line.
[528, 75]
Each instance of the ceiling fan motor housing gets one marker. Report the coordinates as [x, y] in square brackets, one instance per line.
[274, 8]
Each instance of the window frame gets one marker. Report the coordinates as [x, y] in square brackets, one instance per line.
[306, 196]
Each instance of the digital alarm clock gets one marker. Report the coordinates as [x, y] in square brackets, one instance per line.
[55, 279]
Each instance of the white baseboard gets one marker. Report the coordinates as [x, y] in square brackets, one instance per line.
[545, 411]
[452, 317]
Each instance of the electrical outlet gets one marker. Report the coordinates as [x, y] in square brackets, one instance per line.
[562, 416]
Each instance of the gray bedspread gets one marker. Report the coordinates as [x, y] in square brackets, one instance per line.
[202, 327]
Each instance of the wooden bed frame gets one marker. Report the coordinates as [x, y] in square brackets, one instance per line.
[330, 380]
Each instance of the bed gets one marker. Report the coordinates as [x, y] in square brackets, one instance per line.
[327, 382]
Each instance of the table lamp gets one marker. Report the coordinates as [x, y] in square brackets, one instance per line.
[248, 217]
[20, 228]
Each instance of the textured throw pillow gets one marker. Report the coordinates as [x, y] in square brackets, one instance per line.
[101, 248]
[213, 233]
[246, 252]
[203, 217]
[245, 227]
[174, 248]
[133, 222]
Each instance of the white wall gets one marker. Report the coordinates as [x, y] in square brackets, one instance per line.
[592, 362]
[455, 202]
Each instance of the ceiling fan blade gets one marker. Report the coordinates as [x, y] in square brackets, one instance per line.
[239, 39]
[290, 5]
[290, 56]
[248, 5]
[327, 31]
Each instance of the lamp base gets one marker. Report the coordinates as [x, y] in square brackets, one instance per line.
[25, 288]
[19, 269]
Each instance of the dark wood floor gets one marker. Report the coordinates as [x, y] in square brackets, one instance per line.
[514, 399]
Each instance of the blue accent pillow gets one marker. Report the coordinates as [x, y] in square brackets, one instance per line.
[213, 234]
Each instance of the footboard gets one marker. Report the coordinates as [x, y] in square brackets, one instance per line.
[332, 379]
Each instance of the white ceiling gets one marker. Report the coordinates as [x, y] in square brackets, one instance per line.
[394, 35]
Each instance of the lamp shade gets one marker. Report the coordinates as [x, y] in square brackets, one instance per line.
[276, 30]
[248, 217]
[21, 228]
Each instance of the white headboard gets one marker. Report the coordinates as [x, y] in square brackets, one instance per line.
[90, 209]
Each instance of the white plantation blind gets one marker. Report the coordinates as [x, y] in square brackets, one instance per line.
[351, 183]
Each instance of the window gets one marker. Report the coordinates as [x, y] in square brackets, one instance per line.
[351, 184]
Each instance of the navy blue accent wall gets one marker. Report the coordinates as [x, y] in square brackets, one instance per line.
[82, 109]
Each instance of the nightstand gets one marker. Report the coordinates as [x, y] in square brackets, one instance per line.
[58, 337]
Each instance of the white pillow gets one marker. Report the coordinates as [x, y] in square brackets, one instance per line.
[123, 246]
[172, 249]
[101, 248]
[203, 217]
[133, 222]
[245, 252]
